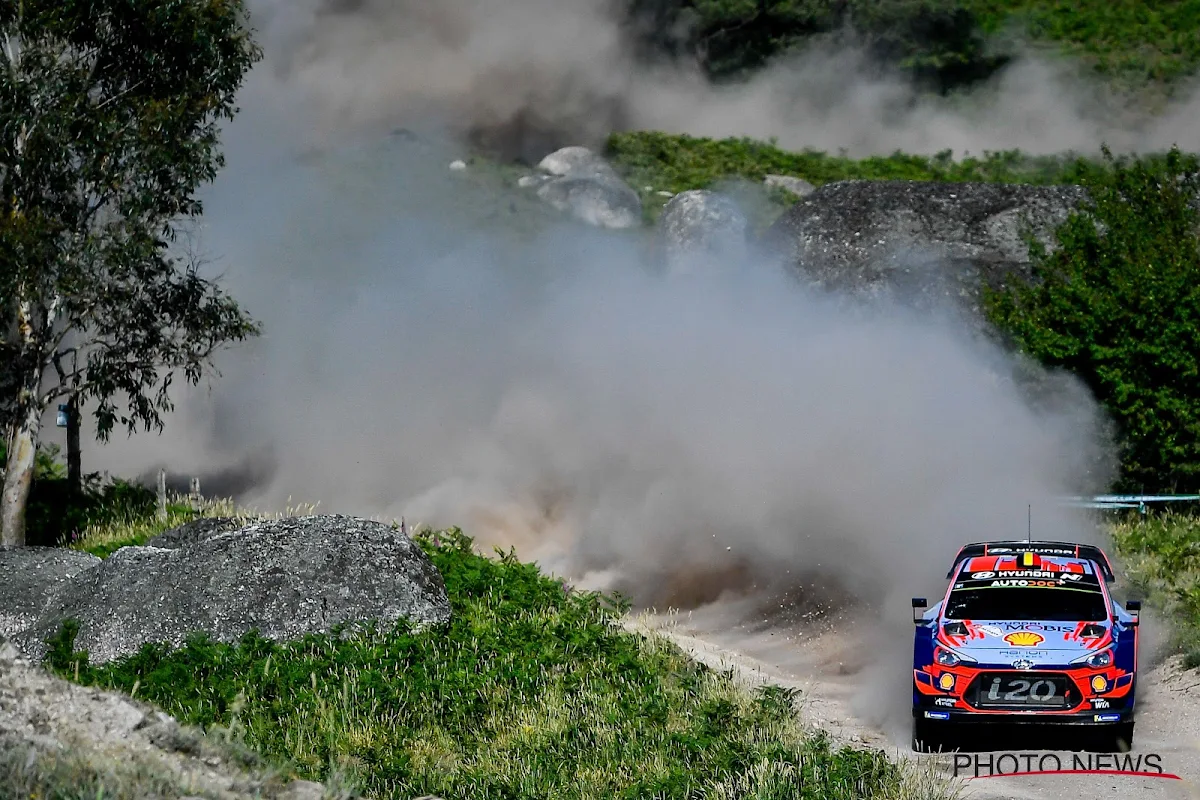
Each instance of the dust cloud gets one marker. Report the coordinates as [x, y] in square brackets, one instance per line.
[671, 436]
[688, 440]
[530, 75]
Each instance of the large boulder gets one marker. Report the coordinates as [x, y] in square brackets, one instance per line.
[922, 240]
[602, 201]
[701, 227]
[587, 187]
[197, 531]
[790, 183]
[32, 579]
[286, 578]
[576, 161]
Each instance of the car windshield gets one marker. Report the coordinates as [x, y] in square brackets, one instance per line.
[1043, 604]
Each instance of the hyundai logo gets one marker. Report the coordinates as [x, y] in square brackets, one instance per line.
[1022, 663]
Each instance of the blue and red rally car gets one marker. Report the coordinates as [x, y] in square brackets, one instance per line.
[1027, 632]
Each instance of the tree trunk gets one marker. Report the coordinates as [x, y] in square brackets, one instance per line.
[74, 465]
[22, 451]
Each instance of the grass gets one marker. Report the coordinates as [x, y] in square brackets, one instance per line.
[533, 691]
[677, 163]
[134, 530]
[1161, 555]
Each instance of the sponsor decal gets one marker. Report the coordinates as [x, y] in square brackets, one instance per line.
[970, 766]
[991, 629]
[944, 701]
[1098, 703]
[1022, 582]
[1045, 627]
[937, 715]
[1042, 551]
[1024, 639]
[982, 576]
[1023, 654]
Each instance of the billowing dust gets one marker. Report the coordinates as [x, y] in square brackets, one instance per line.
[724, 442]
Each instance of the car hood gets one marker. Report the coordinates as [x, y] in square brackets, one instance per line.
[1016, 639]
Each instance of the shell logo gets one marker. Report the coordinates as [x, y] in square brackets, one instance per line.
[1024, 639]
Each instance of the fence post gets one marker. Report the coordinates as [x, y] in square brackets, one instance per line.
[194, 494]
[162, 494]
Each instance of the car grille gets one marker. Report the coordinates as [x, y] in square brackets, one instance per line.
[1022, 691]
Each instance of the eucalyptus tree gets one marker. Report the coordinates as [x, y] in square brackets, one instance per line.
[110, 114]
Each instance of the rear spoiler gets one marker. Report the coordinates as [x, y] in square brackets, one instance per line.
[1060, 549]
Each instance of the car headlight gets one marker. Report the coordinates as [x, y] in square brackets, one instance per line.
[1096, 660]
[948, 658]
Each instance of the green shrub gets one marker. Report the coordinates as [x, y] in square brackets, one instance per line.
[55, 515]
[532, 691]
[1161, 555]
[1118, 304]
[946, 43]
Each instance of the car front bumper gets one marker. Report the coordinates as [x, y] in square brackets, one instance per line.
[1086, 718]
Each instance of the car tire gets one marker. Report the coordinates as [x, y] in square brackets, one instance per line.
[1112, 739]
[1122, 737]
[927, 737]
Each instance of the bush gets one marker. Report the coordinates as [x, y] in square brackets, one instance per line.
[1118, 304]
[947, 44]
[533, 690]
[1162, 560]
[55, 514]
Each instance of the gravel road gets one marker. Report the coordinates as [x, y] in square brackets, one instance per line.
[860, 701]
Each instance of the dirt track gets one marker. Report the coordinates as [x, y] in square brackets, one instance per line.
[824, 661]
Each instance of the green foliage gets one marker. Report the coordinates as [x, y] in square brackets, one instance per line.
[1161, 555]
[1134, 40]
[533, 690]
[109, 116]
[109, 121]
[56, 515]
[1118, 304]
[947, 43]
[677, 163]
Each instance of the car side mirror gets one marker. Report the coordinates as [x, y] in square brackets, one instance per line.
[1134, 607]
[919, 605]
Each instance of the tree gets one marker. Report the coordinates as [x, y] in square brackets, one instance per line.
[109, 123]
[1118, 304]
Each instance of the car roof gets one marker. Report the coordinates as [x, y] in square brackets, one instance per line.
[1057, 551]
[1015, 562]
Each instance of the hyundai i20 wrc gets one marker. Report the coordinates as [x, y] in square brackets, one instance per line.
[1027, 632]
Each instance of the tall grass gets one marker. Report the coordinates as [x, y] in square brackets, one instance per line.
[533, 690]
[1161, 557]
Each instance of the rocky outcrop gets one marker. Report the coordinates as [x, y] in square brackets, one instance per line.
[286, 578]
[59, 739]
[790, 183]
[698, 227]
[924, 241]
[32, 579]
[197, 531]
[576, 161]
[587, 188]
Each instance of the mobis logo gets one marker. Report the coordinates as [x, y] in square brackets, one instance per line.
[998, 765]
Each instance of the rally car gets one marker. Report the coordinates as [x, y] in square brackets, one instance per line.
[1027, 632]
